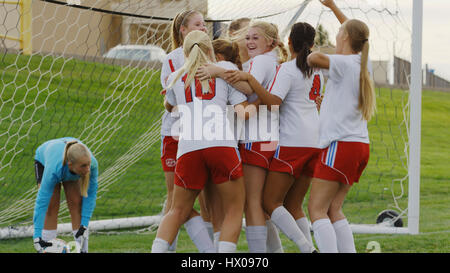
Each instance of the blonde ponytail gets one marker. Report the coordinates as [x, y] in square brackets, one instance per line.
[283, 55]
[359, 35]
[198, 50]
[367, 99]
[72, 151]
[84, 184]
[66, 150]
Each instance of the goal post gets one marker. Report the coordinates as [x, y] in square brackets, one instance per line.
[416, 118]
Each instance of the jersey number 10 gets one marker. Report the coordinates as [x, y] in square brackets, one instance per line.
[199, 91]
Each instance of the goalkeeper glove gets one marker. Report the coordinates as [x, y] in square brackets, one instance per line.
[82, 238]
[40, 245]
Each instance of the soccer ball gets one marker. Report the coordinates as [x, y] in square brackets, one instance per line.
[387, 217]
[58, 246]
[73, 247]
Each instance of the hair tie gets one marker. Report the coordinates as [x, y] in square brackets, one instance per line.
[70, 143]
[195, 44]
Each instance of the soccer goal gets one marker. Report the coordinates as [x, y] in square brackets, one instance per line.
[90, 69]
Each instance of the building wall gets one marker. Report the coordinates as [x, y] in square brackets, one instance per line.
[380, 68]
[380, 72]
[60, 29]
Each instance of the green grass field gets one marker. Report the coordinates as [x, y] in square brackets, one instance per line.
[110, 107]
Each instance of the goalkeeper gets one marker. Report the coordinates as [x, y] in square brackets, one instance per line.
[69, 162]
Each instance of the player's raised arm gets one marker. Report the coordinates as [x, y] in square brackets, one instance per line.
[319, 60]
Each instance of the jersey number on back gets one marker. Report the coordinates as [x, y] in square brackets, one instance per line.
[315, 89]
[199, 91]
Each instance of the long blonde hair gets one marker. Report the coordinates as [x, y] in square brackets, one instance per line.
[359, 42]
[72, 152]
[198, 50]
[181, 19]
[270, 32]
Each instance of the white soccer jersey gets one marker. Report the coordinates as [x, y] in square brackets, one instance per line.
[340, 118]
[204, 118]
[263, 68]
[299, 118]
[173, 61]
[246, 66]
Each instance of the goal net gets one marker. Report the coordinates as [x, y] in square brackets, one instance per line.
[59, 77]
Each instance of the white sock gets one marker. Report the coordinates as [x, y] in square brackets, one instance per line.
[74, 232]
[304, 226]
[85, 246]
[209, 227]
[173, 246]
[160, 246]
[273, 238]
[284, 220]
[227, 247]
[198, 233]
[48, 234]
[256, 238]
[216, 240]
[325, 236]
[344, 237]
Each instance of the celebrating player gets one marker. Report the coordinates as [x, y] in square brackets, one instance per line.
[224, 51]
[262, 42]
[348, 105]
[183, 23]
[69, 162]
[201, 158]
[295, 87]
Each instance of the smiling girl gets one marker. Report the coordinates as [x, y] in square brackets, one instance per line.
[294, 88]
[266, 52]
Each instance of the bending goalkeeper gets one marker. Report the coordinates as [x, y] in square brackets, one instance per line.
[69, 162]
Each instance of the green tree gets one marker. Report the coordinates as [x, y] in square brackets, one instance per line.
[322, 37]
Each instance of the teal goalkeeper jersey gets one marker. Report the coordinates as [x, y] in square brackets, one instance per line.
[50, 154]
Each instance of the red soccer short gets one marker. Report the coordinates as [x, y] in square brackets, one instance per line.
[343, 162]
[218, 164]
[295, 160]
[258, 153]
[169, 148]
